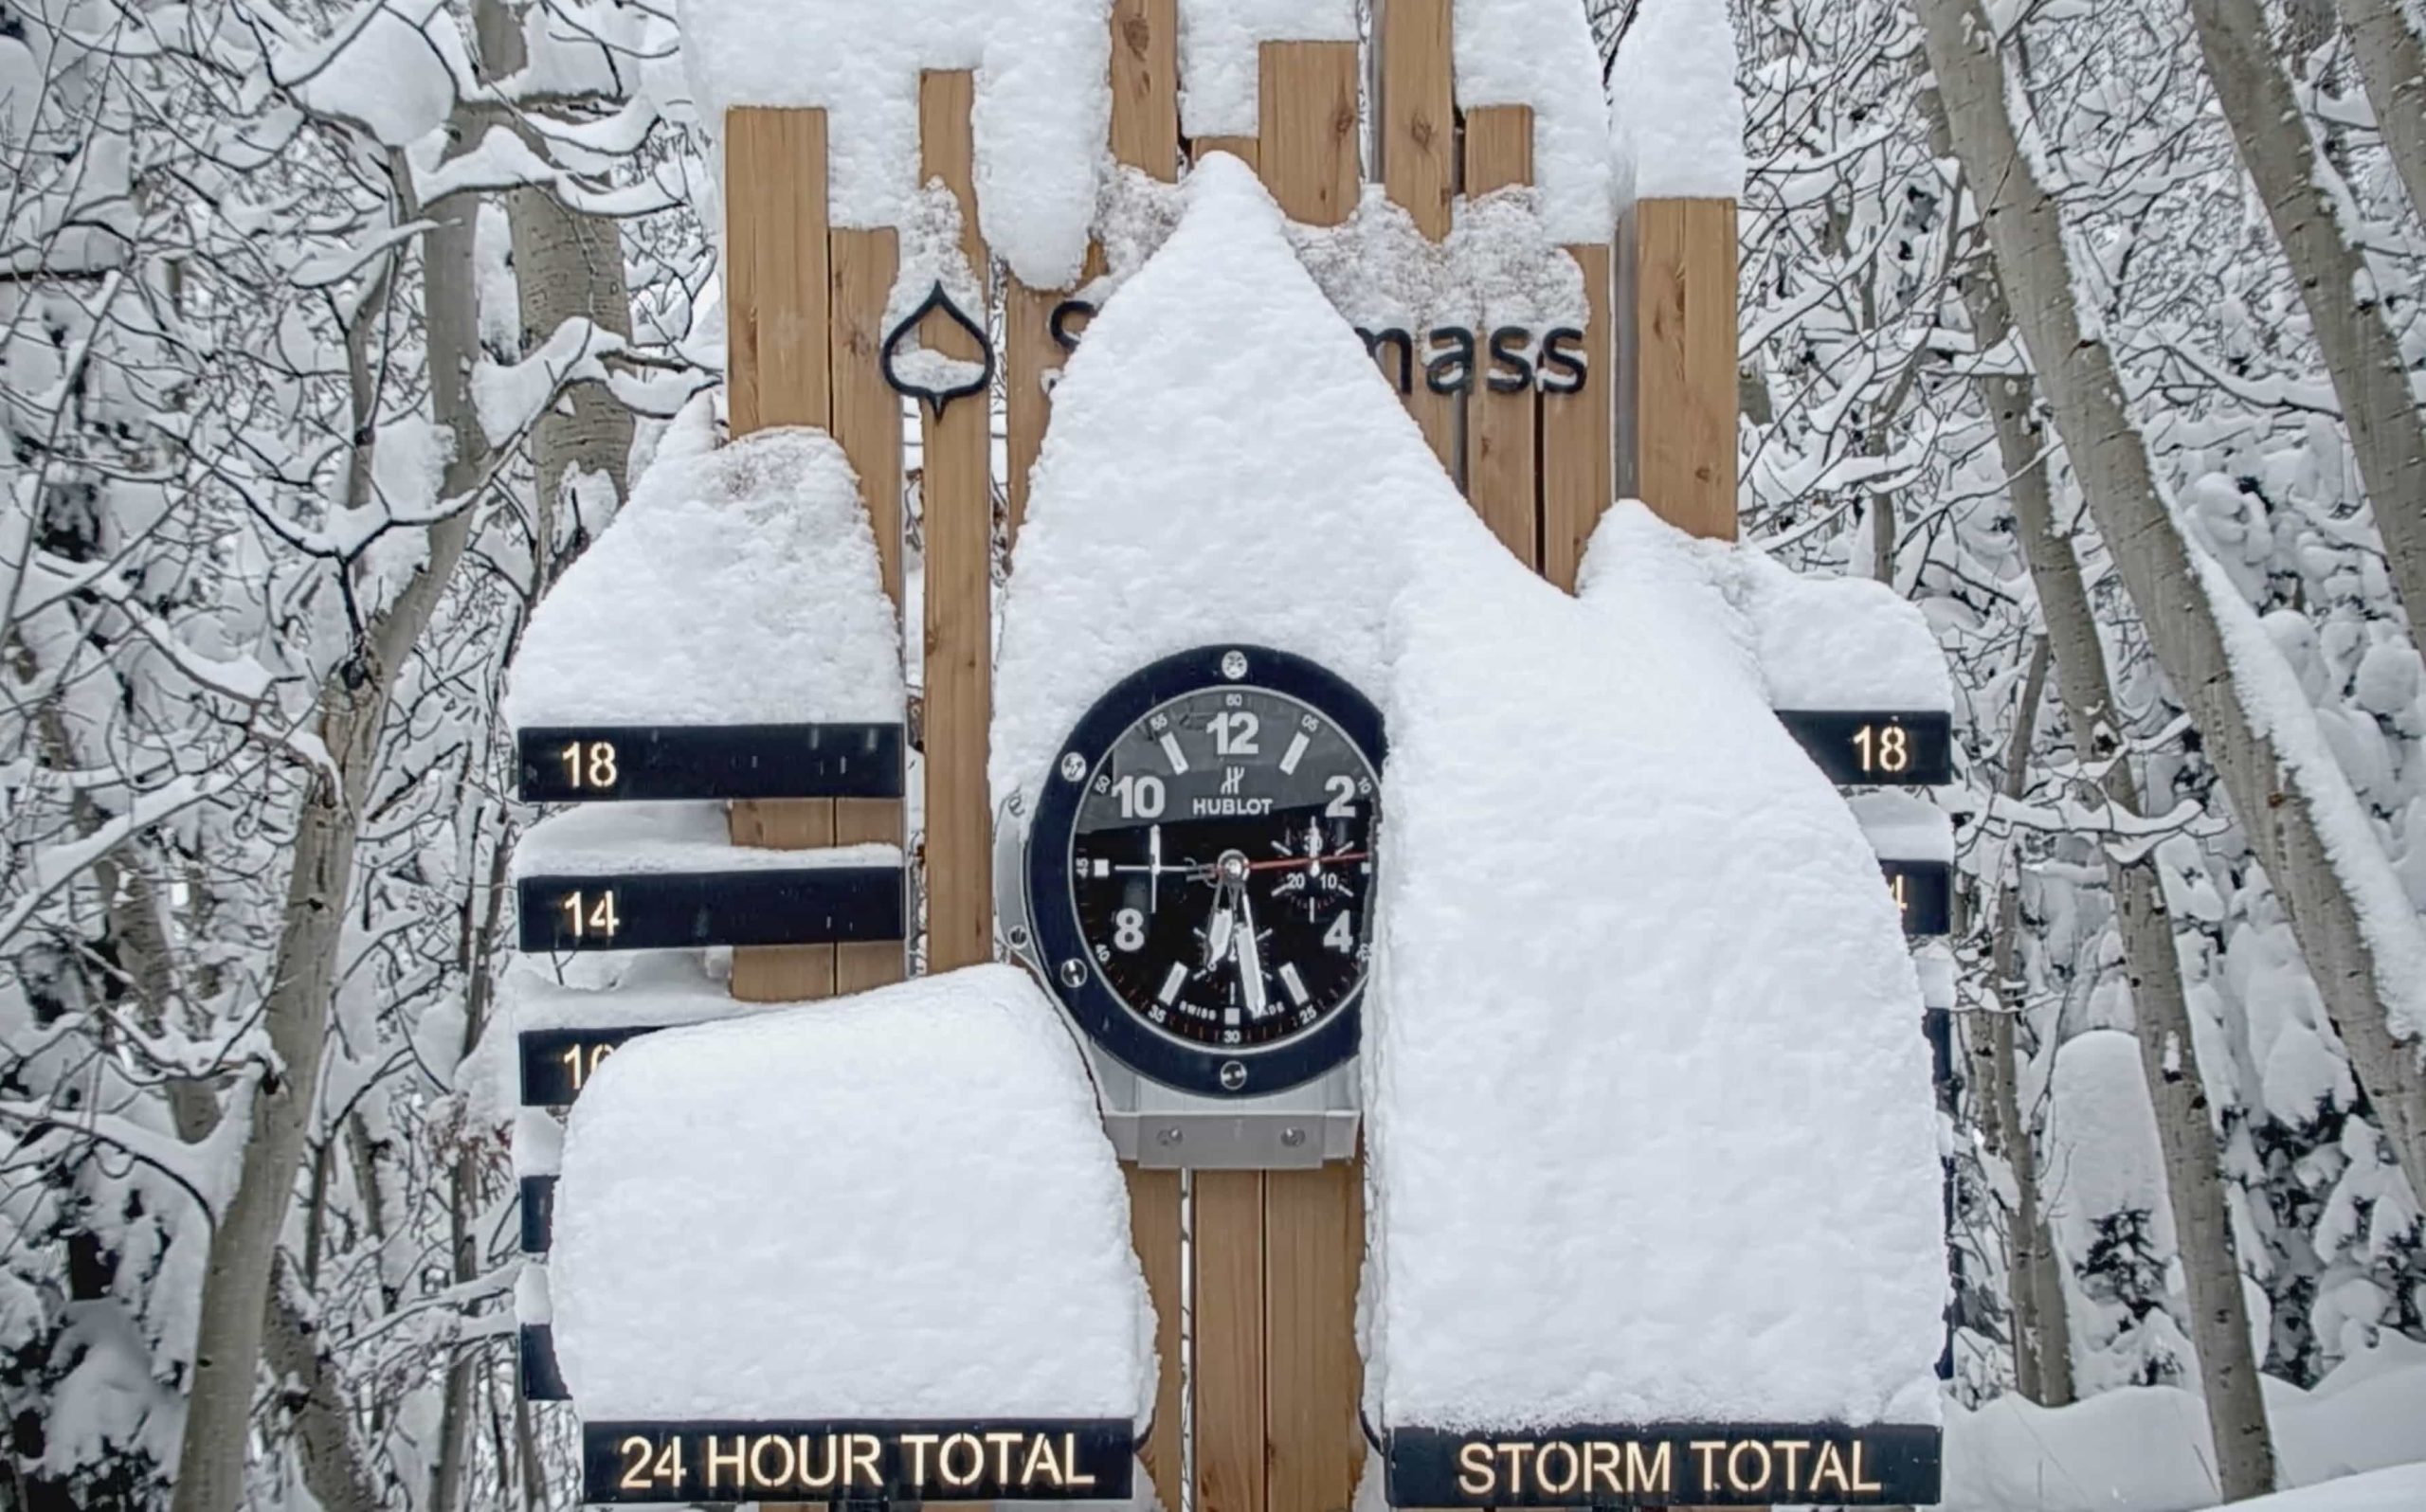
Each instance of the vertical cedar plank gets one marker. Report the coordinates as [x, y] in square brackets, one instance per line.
[1028, 354]
[1306, 122]
[959, 539]
[775, 267]
[1500, 464]
[1307, 1237]
[1314, 1245]
[1678, 427]
[1415, 135]
[1154, 1225]
[867, 426]
[1144, 85]
[1229, 1355]
[776, 323]
[1579, 438]
[1246, 148]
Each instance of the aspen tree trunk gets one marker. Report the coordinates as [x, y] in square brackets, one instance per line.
[353, 708]
[2042, 1332]
[2361, 357]
[2228, 1365]
[2151, 558]
[2392, 69]
[565, 264]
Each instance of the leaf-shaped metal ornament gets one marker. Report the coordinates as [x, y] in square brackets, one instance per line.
[936, 397]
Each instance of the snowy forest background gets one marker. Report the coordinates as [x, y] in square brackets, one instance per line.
[330, 332]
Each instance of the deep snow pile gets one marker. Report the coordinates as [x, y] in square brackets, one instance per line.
[1674, 1156]
[740, 586]
[1180, 534]
[1642, 1005]
[2146, 1449]
[895, 1205]
[1838, 644]
[1677, 116]
[1038, 122]
[1541, 53]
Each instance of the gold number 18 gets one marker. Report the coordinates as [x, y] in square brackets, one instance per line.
[590, 764]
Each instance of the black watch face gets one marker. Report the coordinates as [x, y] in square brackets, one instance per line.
[1214, 836]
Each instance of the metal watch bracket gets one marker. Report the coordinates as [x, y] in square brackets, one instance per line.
[1161, 1127]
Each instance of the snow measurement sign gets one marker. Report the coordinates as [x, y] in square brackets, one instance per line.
[1197, 888]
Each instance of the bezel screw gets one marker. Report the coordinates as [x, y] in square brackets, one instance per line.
[1074, 767]
[1234, 1076]
[1234, 664]
[1073, 972]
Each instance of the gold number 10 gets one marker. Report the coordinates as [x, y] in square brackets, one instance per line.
[581, 1062]
[1883, 750]
[590, 764]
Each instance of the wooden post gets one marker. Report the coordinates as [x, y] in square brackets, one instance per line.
[1677, 271]
[1579, 439]
[867, 426]
[1145, 135]
[958, 533]
[1500, 463]
[1415, 137]
[775, 280]
[1228, 1251]
[1278, 1380]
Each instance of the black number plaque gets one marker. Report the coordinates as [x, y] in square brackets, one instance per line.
[558, 1063]
[538, 1213]
[867, 1462]
[1882, 748]
[1666, 1463]
[570, 764]
[1924, 891]
[541, 1380]
[680, 910]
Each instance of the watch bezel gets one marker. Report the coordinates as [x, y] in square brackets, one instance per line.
[1053, 907]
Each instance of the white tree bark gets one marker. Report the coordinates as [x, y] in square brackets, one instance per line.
[353, 708]
[2110, 458]
[2361, 355]
[2392, 69]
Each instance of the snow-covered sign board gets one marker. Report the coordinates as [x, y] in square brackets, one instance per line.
[598, 763]
[1736, 1465]
[759, 1294]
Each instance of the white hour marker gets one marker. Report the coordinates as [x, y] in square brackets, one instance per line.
[1295, 753]
[1101, 867]
[1295, 985]
[1170, 749]
[1171, 984]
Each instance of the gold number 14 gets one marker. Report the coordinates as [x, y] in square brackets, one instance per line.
[584, 915]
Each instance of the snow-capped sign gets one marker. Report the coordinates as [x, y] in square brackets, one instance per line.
[1735, 1465]
[975, 1460]
[798, 903]
[598, 763]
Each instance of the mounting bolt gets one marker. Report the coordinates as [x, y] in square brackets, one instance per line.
[1292, 1138]
[1234, 1076]
[1073, 972]
[1017, 803]
[1019, 937]
[1234, 664]
[1167, 1135]
[1074, 767]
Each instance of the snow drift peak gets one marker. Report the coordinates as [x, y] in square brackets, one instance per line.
[1225, 463]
